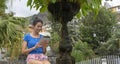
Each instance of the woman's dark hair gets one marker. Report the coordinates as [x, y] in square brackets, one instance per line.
[35, 21]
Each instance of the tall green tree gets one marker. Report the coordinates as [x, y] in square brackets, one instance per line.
[97, 30]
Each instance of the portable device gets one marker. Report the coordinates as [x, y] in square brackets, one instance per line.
[44, 39]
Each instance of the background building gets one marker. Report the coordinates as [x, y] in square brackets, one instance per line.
[114, 6]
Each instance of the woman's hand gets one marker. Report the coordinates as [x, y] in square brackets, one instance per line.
[38, 45]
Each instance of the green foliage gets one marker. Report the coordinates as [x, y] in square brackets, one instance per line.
[109, 47]
[95, 31]
[55, 38]
[116, 31]
[11, 32]
[82, 51]
[2, 7]
[10, 27]
[113, 44]
[86, 5]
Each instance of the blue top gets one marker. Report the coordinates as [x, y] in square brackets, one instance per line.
[31, 42]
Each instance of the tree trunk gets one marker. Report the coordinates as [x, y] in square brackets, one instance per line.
[65, 47]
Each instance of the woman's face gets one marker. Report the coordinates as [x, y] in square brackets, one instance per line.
[38, 27]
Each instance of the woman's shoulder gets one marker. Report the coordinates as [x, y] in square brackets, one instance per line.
[27, 35]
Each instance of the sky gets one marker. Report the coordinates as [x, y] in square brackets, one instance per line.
[19, 7]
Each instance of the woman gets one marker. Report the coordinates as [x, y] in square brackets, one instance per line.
[32, 46]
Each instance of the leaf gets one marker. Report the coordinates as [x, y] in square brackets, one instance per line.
[29, 2]
[53, 1]
[78, 15]
[46, 2]
[43, 8]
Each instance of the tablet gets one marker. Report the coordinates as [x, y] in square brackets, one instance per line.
[44, 38]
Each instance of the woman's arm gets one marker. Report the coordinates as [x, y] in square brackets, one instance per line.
[24, 48]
